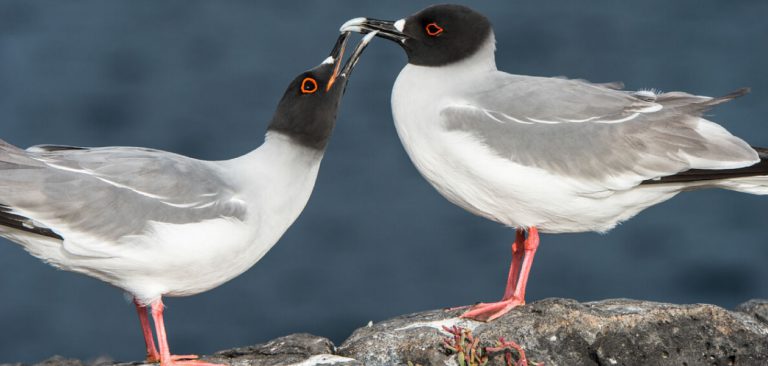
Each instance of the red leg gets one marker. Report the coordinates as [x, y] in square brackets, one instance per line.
[157, 315]
[514, 268]
[490, 311]
[162, 341]
[531, 244]
[152, 355]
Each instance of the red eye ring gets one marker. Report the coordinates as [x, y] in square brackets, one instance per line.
[433, 29]
[308, 86]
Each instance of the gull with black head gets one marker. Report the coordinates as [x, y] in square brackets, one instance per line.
[547, 154]
[155, 223]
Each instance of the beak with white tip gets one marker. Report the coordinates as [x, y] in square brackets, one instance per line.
[392, 30]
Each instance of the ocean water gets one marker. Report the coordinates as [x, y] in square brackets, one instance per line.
[202, 78]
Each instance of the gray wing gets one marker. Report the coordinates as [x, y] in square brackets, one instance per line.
[110, 193]
[591, 132]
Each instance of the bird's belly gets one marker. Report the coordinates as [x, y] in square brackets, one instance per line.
[189, 259]
[472, 177]
[171, 259]
[471, 188]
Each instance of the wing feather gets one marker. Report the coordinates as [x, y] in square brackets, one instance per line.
[614, 139]
[104, 194]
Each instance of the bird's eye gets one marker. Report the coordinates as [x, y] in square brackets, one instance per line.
[308, 86]
[433, 29]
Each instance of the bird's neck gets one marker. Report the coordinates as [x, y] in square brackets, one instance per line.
[434, 82]
[482, 60]
[282, 157]
[289, 147]
[420, 88]
[276, 181]
[280, 174]
[312, 130]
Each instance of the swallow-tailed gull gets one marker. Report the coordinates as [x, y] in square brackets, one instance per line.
[547, 154]
[155, 223]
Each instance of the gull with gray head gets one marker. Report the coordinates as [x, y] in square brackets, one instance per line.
[155, 223]
[547, 154]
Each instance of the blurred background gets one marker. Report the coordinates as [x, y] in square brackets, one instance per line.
[202, 78]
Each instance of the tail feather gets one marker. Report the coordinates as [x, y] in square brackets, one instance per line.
[753, 185]
[730, 96]
[752, 179]
[762, 152]
[14, 221]
[11, 158]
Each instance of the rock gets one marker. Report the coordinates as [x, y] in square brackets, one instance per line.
[53, 361]
[565, 332]
[56, 361]
[756, 308]
[294, 350]
[551, 331]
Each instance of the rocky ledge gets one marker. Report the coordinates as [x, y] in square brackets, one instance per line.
[550, 331]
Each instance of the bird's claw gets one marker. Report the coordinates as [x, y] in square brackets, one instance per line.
[486, 312]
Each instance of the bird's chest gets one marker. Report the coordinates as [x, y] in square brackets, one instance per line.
[416, 113]
[417, 124]
[456, 164]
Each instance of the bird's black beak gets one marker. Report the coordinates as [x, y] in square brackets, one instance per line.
[337, 54]
[340, 74]
[385, 28]
[335, 58]
[352, 61]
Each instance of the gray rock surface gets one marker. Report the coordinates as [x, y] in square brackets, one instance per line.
[756, 308]
[565, 332]
[292, 350]
[296, 349]
[552, 331]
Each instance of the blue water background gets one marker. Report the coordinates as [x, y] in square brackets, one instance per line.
[202, 78]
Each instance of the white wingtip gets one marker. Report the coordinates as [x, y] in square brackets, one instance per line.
[352, 25]
[329, 60]
[368, 37]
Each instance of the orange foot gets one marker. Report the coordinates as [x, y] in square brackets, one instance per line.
[182, 360]
[486, 312]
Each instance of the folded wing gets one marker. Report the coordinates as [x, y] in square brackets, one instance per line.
[614, 139]
[93, 197]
